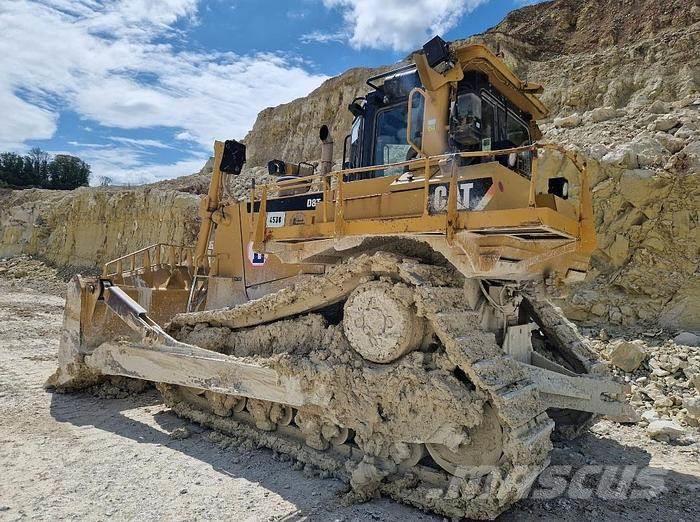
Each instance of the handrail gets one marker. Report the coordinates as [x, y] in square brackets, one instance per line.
[152, 256]
[433, 160]
[263, 192]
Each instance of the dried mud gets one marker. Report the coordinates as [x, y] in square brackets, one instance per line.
[418, 398]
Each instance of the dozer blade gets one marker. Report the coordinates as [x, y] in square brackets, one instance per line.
[188, 365]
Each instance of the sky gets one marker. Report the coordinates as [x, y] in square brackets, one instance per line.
[140, 89]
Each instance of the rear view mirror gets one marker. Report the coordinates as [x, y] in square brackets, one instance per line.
[233, 157]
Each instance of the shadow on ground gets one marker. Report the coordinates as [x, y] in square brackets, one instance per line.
[592, 452]
[254, 465]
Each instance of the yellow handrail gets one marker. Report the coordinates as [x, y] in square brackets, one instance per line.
[150, 257]
[262, 192]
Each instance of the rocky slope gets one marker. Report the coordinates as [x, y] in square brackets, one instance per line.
[290, 131]
[622, 79]
[89, 226]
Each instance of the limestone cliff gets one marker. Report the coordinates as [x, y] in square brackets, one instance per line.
[290, 131]
[89, 226]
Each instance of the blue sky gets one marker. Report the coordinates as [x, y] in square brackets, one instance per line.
[141, 88]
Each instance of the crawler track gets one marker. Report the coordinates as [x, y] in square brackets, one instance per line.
[420, 429]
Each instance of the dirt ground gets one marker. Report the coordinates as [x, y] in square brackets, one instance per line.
[77, 456]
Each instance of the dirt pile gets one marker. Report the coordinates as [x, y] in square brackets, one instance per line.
[23, 272]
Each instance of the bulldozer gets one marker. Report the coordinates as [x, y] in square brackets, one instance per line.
[386, 319]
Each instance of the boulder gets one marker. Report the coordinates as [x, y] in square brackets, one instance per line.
[605, 113]
[660, 107]
[687, 339]
[650, 416]
[642, 152]
[665, 430]
[649, 152]
[622, 156]
[628, 355]
[618, 252]
[666, 123]
[691, 154]
[685, 132]
[568, 122]
[643, 189]
[692, 406]
[670, 142]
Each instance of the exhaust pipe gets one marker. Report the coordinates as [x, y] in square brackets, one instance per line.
[326, 149]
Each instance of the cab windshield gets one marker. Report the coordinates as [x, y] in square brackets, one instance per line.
[390, 143]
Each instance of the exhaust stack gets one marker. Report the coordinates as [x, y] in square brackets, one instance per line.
[326, 149]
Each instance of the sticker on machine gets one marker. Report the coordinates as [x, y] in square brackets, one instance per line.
[255, 258]
[275, 219]
[473, 194]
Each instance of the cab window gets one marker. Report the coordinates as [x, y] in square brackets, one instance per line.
[465, 120]
[355, 144]
[390, 142]
[516, 130]
[417, 109]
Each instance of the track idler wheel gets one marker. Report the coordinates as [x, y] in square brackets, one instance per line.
[478, 454]
[380, 321]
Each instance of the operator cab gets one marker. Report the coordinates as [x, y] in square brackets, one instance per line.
[480, 119]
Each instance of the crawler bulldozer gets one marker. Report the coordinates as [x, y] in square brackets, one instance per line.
[385, 319]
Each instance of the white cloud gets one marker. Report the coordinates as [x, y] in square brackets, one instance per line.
[87, 145]
[323, 37]
[130, 164]
[22, 120]
[143, 143]
[117, 63]
[397, 24]
[184, 136]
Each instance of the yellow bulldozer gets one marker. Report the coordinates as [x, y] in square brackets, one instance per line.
[385, 321]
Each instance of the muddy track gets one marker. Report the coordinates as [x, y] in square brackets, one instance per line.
[387, 418]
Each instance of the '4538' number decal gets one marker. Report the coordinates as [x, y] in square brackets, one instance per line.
[275, 219]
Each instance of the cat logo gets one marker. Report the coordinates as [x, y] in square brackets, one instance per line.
[473, 194]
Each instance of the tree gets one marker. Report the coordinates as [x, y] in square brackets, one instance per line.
[11, 169]
[105, 181]
[68, 172]
[37, 169]
[39, 161]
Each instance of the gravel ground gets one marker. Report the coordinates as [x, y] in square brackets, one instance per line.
[77, 456]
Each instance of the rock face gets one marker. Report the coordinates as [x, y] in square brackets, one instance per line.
[87, 227]
[290, 131]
